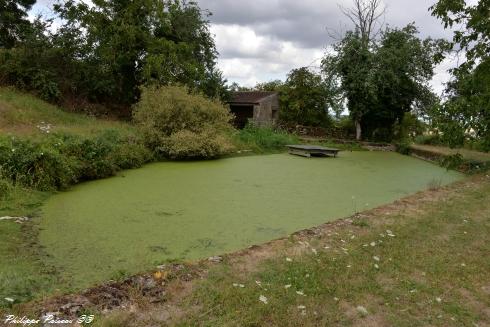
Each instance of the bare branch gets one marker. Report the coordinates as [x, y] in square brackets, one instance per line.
[364, 14]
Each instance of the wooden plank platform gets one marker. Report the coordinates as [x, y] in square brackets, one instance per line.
[311, 150]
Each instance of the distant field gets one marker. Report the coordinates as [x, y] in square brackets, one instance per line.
[467, 154]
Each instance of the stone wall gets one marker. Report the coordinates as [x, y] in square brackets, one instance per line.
[266, 112]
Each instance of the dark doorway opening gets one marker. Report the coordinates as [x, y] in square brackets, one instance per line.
[243, 113]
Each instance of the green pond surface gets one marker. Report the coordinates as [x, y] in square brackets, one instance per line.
[188, 210]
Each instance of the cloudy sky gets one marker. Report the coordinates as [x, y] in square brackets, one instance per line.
[261, 40]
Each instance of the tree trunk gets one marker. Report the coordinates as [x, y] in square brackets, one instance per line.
[358, 130]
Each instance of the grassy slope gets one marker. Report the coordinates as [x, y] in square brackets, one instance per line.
[467, 154]
[21, 114]
[433, 271]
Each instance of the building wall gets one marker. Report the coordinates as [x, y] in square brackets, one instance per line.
[266, 112]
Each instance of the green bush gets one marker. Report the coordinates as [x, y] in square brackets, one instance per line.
[453, 161]
[35, 164]
[403, 147]
[433, 139]
[178, 124]
[60, 160]
[5, 188]
[185, 144]
[347, 126]
[263, 139]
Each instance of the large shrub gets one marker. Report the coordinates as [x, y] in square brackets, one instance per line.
[178, 124]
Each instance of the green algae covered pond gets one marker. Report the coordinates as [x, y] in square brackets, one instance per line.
[188, 210]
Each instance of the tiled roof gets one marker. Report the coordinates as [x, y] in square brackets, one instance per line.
[249, 96]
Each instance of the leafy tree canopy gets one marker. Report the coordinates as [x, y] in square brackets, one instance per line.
[383, 81]
[274, 85]
[13, 21]
[305, 98]
[143, 42]
[474, 37]
[105, 51]
[465, 115]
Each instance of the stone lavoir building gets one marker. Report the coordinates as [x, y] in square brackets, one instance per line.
[259, 107]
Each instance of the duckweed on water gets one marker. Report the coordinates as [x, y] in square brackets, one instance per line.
[188, 210]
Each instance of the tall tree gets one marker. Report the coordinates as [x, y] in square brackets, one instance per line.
[474, 38]
[352, 65]
[305, 98]
[13, 21]
[365, 15]
[404, 67]
[466, 112]
[125, 44]
[384, 81]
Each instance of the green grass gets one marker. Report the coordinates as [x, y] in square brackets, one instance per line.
[24, 114]
[23, 276]
[467, 154]
[19, 201]
[343, 146]
[434, 271]
[262, 140]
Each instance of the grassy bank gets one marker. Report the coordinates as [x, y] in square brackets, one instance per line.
[421, 261]
[22, 114]
[464, 160]
[442, 150]
[255, 139]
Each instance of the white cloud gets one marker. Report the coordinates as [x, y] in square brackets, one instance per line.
[247, 57]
